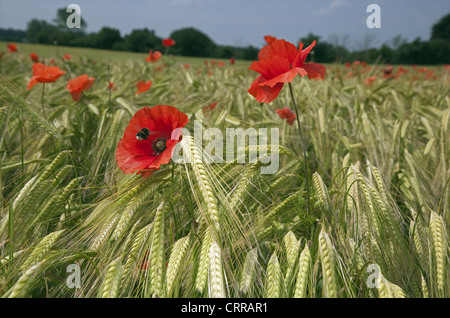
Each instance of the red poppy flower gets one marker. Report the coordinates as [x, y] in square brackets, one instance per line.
[168, 42]
[220, 64]
[279, 63]
[347, 64]
[143, 86]
[153, 56]
[232, 60]
[269, 39]
[370, 80]
[288, 114]
[187, 66]
[11, 47]
[52, 62]
[44, 74]
[34, 57]
[111, 86]
[79, 84]
[149, 139]
[67, 56]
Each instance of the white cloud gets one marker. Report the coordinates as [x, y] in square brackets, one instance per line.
[332, 6]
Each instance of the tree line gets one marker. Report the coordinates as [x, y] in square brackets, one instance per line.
[193, 42]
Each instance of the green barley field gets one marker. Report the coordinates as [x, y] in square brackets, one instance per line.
[370, 218]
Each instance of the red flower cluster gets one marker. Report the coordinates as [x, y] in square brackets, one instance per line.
[279, 63]
[153, 56]
[149, 139]
[44, 74]
[67, 56]
[11, 47]
[143, 86]
[168, 42]
[34, 57]
[286, 113]
[79, 84]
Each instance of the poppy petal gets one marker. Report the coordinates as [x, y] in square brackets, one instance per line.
[315, 70]
[280, 48]
[264, 94]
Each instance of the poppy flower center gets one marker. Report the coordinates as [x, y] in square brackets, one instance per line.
[159, 145]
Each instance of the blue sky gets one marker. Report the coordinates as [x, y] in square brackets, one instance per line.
[244, 22]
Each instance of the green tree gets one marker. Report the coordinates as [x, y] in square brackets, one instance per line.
[192, 42]
[142, 40]
[107, 37]
[441, 30]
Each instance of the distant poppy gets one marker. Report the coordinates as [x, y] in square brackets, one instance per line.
[11, 47]
[143, 86]
[67, 56]
[279, 63]
[232, 61]
[288, 114]
[187, 66]
[269, 39]
[209, 108]
[79, 84]
[153, 56]
[34, 57]
[111, 86]
[220, 64]
[149, 139]
[347, 64]
[388, 71]
[52, 62]
[213, 62]
[168, 42]
[205, 62]
[44, 74]
[370, 80]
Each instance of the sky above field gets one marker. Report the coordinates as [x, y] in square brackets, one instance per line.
[245, 22]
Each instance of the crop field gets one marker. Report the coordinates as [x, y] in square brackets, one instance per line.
[357, 207]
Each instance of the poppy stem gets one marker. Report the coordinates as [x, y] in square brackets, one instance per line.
[42, 100]
[303, 146]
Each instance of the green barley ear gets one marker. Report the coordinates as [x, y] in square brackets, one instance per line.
[216, 278]
[194, 156]
[328, 265]
[248, 270]
[157, 253]
[20, 287]
[202, 271]
[291, 246]
[304, 269]
[112, 280]
[321, 190]
[41, 249]
[176, 258]
[440, 248]
[273, 278]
